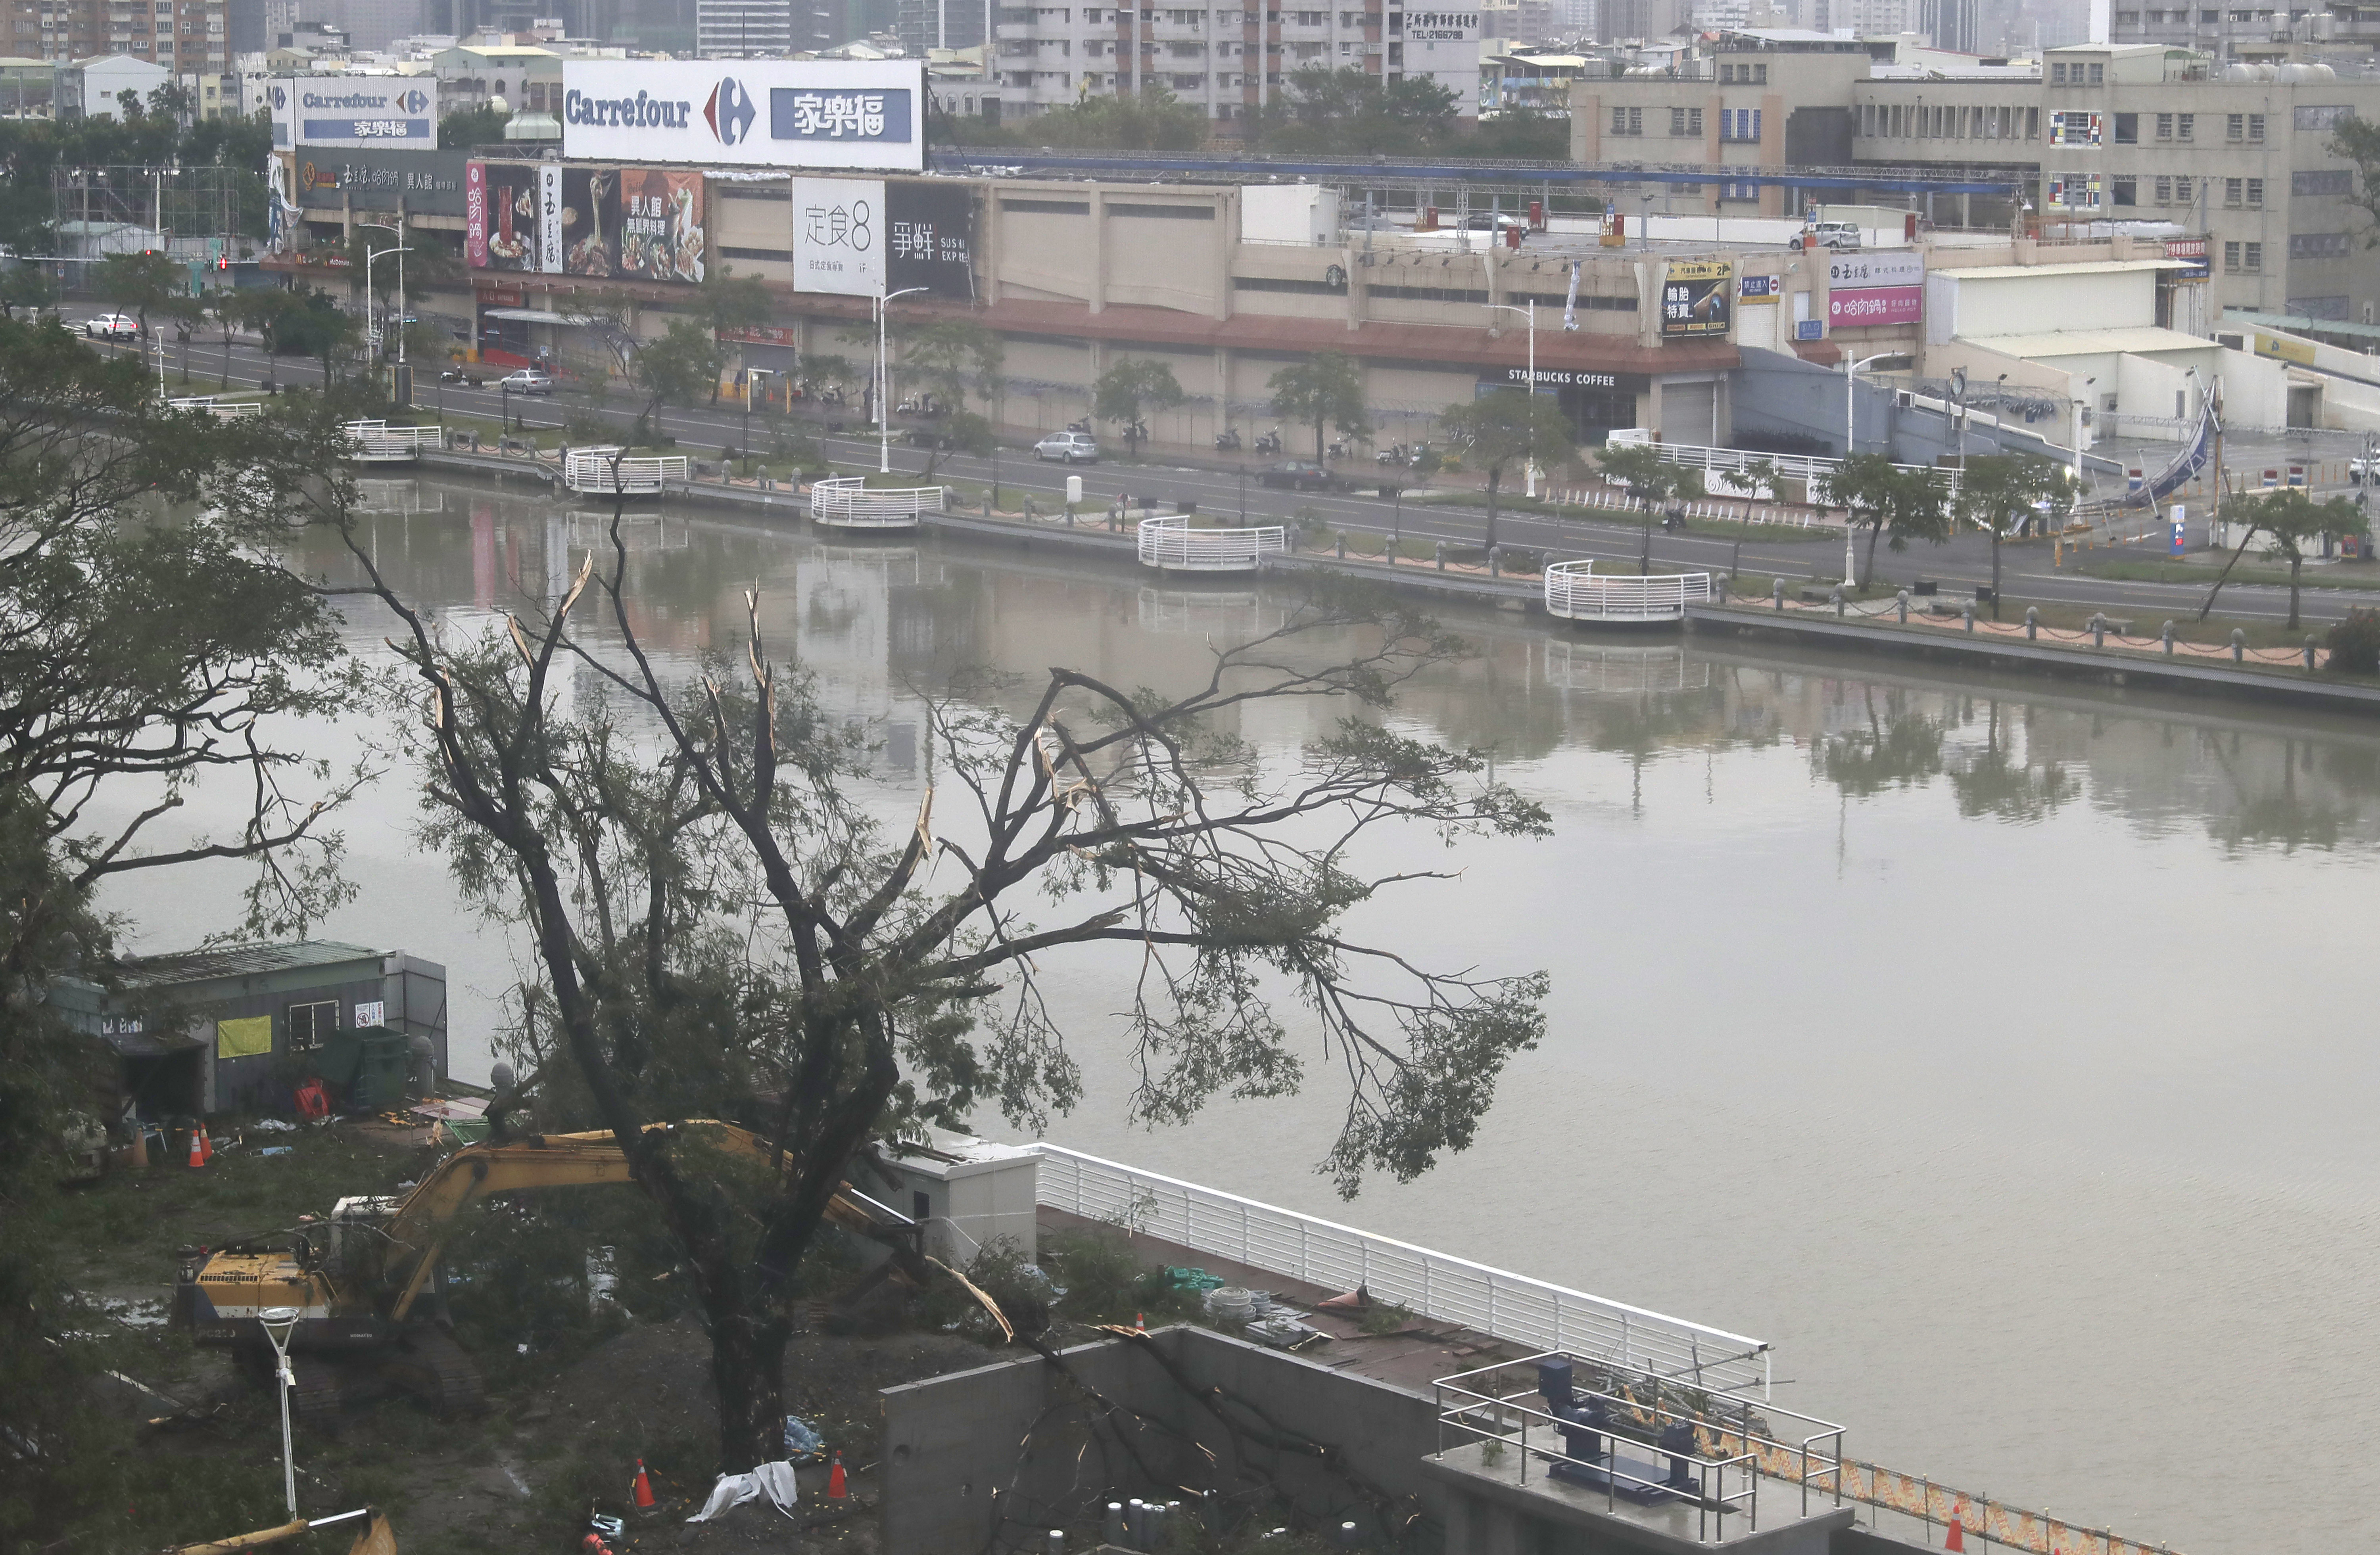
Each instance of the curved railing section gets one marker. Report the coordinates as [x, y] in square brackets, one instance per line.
[1171, 544]
[847, 501]
[1574, 593]
[605, 471]
[222, 410]
[377, 442]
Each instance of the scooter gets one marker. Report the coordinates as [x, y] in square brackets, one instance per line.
[1337, 448]
[1394, 453]
[1227, 440]
[1082, 425]
[1269, 442]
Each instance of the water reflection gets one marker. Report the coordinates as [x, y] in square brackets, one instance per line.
[1993, 1030]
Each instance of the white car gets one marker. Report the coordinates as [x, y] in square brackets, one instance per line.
[1828, 235]
[1068, 447]
[527, 380]
[112, 326]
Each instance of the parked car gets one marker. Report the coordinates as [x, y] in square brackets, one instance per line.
[527, 380]
[1296, 475]
[1828, 235]
[1492, 221]
[112, 326]
[1068, 447]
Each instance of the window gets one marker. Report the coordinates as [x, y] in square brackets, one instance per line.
[2128, 19]
[2128, 129]
[2232, 191]
[2321, 245]
[311, 1026]
[1739, 124]
[2098, 75]
[2257, 193]
[2235, 126]
[2257, 127]
[1627, 121]
[2127, 189]
[2184, 125]
[2164, 191]
[2057, 74]
[2231, 256]
[1760, 75]
[1677, 121]
[2165, 126]
[1739, 191]
[2251, 256]
[2210, 19]
[2337, 182]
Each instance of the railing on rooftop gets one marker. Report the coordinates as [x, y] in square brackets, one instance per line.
[1435, 1285]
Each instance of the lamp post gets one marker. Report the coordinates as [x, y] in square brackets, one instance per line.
[277, 1322]
[752, 376]
[1850, 446]
[884, 382]
[400, 251]
[1530, 312]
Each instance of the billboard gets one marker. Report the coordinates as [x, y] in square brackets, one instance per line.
[505, 216]
[839, 236]
[863, 115]
[638, 224]
[660, 224]
[588, 231]
[429, 182]
[1695, 298]
[1885, 287]
[932, 229]
[281, 101]
[355, 111]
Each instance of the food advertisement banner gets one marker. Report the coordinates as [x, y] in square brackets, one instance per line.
[660, 224]
[503, 216]
[838, 236]
[639, 224]
[1696, 297]
[932, 228]
[1855, 307]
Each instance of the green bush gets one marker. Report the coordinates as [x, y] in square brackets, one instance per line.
[2354, 644]
[1106, 1282]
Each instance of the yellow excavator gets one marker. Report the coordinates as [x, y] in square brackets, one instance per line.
[357, 1279]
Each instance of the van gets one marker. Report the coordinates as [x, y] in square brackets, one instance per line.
[1828, 235]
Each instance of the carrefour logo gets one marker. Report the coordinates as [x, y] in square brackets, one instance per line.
[414, 102]
[280, 99]
[729, 111]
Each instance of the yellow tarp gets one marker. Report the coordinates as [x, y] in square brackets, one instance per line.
[244, 1038]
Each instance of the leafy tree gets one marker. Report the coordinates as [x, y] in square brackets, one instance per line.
[172, 103]
[2358, 139]
[717, 918]
[139, 660]
[1327, 388]
[309, 323]
[1518, 135]
[731, 302]
[2291, 522]
[1893, 503]
[26, 285]
[139, 281]
[236, 310]
[1352, 112]
[481, 126]
[1151, 120]
[2000, 492]
[675, 370]
[1496, 429]
[1129, 389]
[1653, 481]
[182, 313]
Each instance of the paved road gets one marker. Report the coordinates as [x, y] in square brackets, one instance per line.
[2027, 572]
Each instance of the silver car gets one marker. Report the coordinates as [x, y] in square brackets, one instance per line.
[527, 380]
[1069, 447]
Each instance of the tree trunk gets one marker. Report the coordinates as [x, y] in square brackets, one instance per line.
[1644, 556]
[1495, 476]
[2296, 561]
[747, 1366]
[2236, 553]
[225, 382]
[1867, 572]
[1318, 439]
[1996, 572]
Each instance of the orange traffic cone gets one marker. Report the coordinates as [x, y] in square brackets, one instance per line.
[644, 1486]
[198, 1156]
[1140, 1322]
[1957, 1532]
[206, 1144]
[835, 1486]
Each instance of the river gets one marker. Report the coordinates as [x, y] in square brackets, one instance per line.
[1988, 1046]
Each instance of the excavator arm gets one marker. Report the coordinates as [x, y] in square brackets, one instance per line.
[421, 1224]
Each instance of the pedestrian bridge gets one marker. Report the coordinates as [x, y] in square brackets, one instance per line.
[1575, 592]
[1170, 544]
[847, 501]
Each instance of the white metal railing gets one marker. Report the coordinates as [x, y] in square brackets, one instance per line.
[1574, 593]
[1434, 1285]
[847, 501]
[1790, 466]
[222, 410]
[606, 469]
[1168, 542]
[378, 442]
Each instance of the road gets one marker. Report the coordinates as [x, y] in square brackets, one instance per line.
[2027, 573]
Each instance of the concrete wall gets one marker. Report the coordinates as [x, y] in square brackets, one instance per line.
[1005, 1452]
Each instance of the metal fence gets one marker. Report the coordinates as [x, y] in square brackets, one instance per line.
[1574, 593]
[847, 501]
[1434, 1285]
[1171, 544]
[377, 442]
[1790, 466]
[604, 469]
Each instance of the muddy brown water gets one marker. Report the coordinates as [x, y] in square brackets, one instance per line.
[1996, 1050]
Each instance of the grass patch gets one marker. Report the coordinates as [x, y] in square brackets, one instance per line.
[2131, 569]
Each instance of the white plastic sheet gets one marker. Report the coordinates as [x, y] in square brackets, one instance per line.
[773, 1481]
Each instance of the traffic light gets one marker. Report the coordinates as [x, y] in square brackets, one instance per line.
[223, 261]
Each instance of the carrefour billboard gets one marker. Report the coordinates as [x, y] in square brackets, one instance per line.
[859, 115]
[358, 111]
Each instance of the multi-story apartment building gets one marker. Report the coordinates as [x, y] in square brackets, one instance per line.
[2101, 133]
[1229, 60]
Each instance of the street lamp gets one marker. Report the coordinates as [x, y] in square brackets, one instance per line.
[400, 251]
[1530, 312]
[277, 1322]
[1850, 446]
[884, 382]
[752, 376]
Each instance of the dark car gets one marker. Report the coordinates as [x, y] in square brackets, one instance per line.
[1297, 475]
